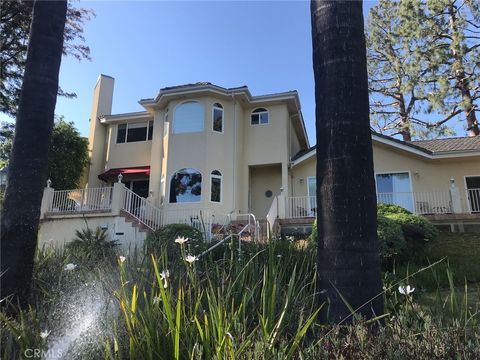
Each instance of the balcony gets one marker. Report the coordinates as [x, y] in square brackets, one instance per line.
[422, 203]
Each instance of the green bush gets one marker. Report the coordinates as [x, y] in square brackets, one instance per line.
[91, 246]
[391, 238]
[165, 237]
[401, 234]
[417, 230]
[384, 209]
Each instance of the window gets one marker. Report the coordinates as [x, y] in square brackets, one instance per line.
[216, 186]
[217, 118]
[188, 117]
[133, 132]
[259, 116]
[395, 188]
[186, 186]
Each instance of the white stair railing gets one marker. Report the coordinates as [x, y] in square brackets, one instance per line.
[154, 217]
[252, 220]
[142, 210]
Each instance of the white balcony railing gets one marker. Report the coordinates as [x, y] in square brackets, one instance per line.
[80, 200]
[473, 198]
[432, 202]
[301, 206]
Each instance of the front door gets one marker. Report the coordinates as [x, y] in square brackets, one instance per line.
[473, 192]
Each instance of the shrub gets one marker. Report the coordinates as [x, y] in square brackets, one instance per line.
[384, 209]
[165, 237]
[417, 230]
[391, 238]
[91, 246]
[400, 233]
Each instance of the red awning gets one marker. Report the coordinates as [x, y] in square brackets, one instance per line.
[113, 173]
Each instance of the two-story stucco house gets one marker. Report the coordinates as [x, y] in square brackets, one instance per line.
[204, 153]
[199, 146]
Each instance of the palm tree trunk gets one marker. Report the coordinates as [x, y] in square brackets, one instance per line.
[348, 260]
[29, 158]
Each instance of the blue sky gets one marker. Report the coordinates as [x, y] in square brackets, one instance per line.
[149, 45]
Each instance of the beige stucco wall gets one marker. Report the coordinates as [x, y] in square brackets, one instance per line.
[126, 154]
[232, 152]
[57, 231]
[426, 175]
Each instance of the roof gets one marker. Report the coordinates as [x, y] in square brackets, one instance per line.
[430, 148]
[291, 98]
[450, 144]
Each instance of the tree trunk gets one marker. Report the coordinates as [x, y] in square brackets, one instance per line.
[29, 158]
[348, 260]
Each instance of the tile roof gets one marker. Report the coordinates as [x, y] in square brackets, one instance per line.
[430, 147]
[450, 144]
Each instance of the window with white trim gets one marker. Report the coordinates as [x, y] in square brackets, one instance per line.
[186, 186]
[217, 118]
[188, 117]
[133, 132]
[259, 116]
[216, 186]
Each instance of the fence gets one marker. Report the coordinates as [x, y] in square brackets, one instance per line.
[473, 196]
[81, 200]
[301, 206]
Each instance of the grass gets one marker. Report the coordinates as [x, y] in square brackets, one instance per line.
[461, 254]
[259, 306]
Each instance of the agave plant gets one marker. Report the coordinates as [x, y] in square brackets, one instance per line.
[90, 246]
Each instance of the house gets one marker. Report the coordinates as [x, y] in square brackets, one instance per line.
[203, 154]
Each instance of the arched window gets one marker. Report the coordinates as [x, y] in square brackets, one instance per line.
[216, 186]
[188, 117]
[259, 116]
[186, 186]
[217, 118]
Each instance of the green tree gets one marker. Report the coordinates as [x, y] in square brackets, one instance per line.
[399, 72]
[348, 261]
[29, 158]
[15, 20]
[67, 154]
[423, 59]
[453, 26]
[67, 157]
[6, 140]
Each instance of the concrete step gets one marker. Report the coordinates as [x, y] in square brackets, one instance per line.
[135, 222]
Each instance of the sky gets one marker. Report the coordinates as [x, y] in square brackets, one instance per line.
[149, 45]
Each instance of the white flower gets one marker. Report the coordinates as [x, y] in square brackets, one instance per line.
[181, 240]
[44, 334]
[122, 258]
[279, 256]
[406, 290]
[191, 259]
[70, 267]
[164, 275]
